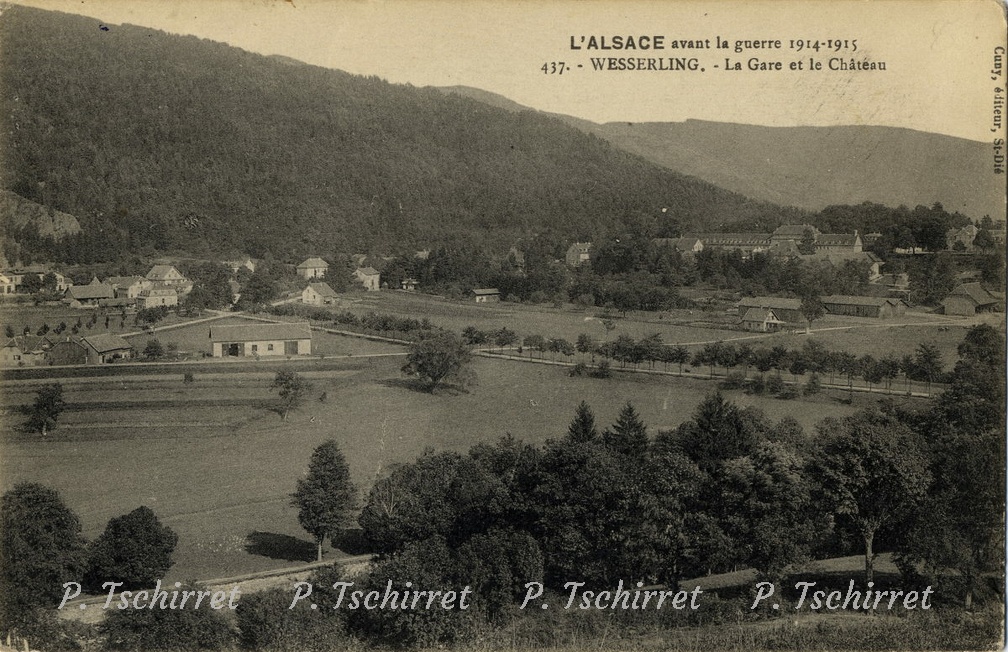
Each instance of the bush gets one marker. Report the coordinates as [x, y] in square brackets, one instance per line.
[602, 370]
[580, 369]
[266, 621]
[188, 378]
[813, 385]
[774, 384]
[757, 385]
[167, 629]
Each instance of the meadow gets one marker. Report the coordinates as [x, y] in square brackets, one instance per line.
[217, 465]
[693, 328]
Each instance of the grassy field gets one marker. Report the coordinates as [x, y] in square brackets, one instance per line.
[693, 328]
[217, 465]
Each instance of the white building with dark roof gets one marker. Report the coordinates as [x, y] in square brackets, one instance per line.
[313, 268]
[318, 294]
[260, 340]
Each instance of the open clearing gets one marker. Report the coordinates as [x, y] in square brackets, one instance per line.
[860, 336]
[218, 465]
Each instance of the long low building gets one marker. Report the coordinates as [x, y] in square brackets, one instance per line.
[256, 340]
[855, 306]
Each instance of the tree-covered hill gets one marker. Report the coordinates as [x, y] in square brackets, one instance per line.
[157, 142]
[809, 167]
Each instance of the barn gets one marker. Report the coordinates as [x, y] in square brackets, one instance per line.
[260, 340]
[872, 307]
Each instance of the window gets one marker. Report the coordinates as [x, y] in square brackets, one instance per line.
[255, 348]
[269, 347]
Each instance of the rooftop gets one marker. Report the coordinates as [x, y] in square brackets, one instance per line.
[260, 332]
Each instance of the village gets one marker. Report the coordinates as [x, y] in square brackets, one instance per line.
[164, 289]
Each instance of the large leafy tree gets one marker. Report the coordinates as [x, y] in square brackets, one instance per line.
[442, 494]
[41, 547]
[811, 309]
[135, 549]
[46, 409]
[767, 507]
[873, 473]
[438, 359]
[326, 495]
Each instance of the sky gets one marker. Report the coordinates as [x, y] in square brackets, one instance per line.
[938, 53]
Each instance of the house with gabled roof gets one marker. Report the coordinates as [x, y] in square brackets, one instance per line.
[313, 268]
[971, 299]
[319, 294]
[762, 320]
[106, 347]
[578, 253]
[68, 351]
[128, 287]
[784, 308]
[369, 277]
[156, 297]
[260, 339]
[25, 351]
[166, 275]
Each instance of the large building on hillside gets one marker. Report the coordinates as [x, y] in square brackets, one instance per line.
[260, 340]
[789, 240]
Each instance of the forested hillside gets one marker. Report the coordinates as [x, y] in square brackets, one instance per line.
[810, 167]
[158, 142]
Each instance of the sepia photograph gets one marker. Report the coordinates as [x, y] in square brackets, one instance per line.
[500, 325]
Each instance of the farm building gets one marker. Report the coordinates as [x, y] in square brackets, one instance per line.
[486, 295]
[761, 320]
[106, 348]
[409, 284]
[369, 278]
[578, 254]
[70, 351]
[155, 297]
[88, 296]
[313, 268]
[874, 307]
[318, 294]
[786, 310]
[25, 351]
[253, 340]
[128, 287]
[971, 299]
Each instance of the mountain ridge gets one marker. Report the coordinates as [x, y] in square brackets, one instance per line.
[199, 146]
[923, 167]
